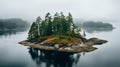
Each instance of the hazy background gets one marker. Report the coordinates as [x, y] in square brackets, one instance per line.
[13, 54]
[81, 9]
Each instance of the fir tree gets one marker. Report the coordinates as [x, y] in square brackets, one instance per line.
[38, 21]
[33, 33]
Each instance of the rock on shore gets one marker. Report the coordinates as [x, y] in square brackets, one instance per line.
[85, 46]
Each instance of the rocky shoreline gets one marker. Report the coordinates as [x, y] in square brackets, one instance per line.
[85, 46]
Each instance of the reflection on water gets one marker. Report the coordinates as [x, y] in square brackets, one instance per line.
[10, 32]
[53, 59]
[7, 32]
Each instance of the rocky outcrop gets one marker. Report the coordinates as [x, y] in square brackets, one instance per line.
[73, 49]
[79, 46]
[95, 41]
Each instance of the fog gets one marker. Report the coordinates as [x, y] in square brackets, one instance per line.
[81, 9]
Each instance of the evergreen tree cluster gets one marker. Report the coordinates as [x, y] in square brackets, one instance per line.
[59, 24]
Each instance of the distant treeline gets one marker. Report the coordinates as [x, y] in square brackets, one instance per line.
[93, 24]
[14, 23]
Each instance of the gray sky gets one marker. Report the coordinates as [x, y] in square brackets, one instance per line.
[82, 9]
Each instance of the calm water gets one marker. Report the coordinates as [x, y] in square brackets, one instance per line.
[13, 54]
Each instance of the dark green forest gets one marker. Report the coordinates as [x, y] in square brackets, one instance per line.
[59, 24]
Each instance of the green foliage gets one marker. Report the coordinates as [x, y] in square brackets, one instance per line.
[58, 25]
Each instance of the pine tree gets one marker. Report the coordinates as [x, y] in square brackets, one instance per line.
[38, 21]
[63, 24]
[55, 23]
[33, 33]
[48, 20]
[43, 28]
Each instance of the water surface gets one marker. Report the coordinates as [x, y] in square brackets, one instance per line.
[13, 54]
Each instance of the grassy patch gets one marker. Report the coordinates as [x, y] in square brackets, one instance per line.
[60, 39]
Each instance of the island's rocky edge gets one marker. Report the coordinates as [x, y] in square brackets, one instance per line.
[85, 46]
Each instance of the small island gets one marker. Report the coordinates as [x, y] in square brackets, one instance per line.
[59, 33]
[95, 26]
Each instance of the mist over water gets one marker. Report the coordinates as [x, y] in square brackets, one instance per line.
[13, 54]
